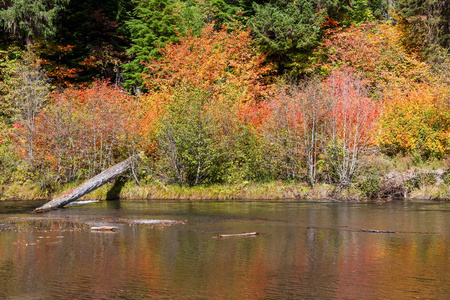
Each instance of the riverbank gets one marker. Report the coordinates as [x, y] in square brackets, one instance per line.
[430, 185]
[379, 178]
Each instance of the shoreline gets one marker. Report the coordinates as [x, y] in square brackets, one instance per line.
[246, 191]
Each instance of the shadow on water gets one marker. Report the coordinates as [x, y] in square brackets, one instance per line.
[19, 207]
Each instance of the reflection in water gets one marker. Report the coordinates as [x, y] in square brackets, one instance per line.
[304, 250]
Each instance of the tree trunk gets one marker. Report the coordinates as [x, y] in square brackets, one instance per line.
[89, 185]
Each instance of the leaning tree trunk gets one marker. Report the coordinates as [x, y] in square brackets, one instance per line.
[89, 185]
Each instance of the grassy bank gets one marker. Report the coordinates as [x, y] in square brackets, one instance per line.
[380, 178]
[394, 185]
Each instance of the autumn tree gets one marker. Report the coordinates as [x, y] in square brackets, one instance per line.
[377, 51]
[216, 61]
[294, 129]
[202, 91]
[322, 124]
[28, 93]
[350, 125]
[85, 130]
[416, 121]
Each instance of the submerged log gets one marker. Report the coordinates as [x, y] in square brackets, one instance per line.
[89, 185]
[236, 235]
[377, 231]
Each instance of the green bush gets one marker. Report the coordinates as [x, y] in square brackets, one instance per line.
[370, 186]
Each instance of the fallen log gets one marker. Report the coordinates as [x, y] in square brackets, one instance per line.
[89, 185]
[236, 235]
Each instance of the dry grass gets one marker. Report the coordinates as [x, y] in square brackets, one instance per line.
[243, 191]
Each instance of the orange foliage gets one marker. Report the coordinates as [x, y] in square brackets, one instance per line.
[61, 74]
[210, 61]
[223, 64]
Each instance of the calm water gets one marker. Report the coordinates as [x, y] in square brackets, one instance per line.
[304, 250]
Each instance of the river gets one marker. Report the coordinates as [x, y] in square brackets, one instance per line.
[304, 250]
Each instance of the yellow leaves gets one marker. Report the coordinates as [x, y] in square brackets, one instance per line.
[415, 121]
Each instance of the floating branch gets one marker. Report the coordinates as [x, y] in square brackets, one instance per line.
[236, 235]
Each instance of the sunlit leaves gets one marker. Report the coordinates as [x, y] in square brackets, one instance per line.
[416, 121]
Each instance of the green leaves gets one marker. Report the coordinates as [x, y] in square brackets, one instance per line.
[285, 30]
[185, 138]
[154, 24]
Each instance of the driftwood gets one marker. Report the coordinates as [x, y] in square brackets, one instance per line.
[236, 235]
[377, 231]
[89, 185]
[104, 228]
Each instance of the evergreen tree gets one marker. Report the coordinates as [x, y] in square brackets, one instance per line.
[97, 31]
[428, 22]
[153, 24]
[288, 31]
[30, 19]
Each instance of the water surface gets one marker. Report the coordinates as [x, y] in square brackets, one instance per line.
[304, 250]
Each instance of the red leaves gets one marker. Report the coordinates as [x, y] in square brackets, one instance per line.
[331, 118]
[18, 126]
[352, 115]
[329, 23]
[87, 128]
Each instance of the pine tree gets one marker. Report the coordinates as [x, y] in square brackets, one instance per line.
[287, 31]
[153, 25]
[30, 19]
